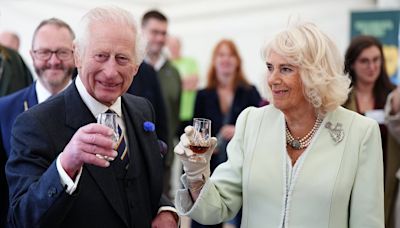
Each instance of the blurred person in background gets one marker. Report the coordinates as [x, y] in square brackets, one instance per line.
[14, 74]
[365, 64]
[53, 60]
[189, 73]
[392, 113]
[154, 26]
[226, 95]
[303, 161]
[10, 40]
[392, 117]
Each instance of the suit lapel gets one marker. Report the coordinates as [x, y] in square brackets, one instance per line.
[268, 144]
[78, 115]
[29, 97]
[325, 154]
[146, 145]
[324, 143]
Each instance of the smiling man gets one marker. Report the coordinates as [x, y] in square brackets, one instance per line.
[55, 173]
[53, 61]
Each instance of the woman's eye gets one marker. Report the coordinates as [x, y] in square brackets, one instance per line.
[286, 70]
[269, 67]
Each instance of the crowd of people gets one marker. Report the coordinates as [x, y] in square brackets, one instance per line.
[322, 149]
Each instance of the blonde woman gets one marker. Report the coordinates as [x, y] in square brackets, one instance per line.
[303, 161]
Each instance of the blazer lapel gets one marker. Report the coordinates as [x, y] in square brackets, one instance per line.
[146, 145]
[78, 115]
[267, 144]
[324, 143]
[30, 97]
[325, 153]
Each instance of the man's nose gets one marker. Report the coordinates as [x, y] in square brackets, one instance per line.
[110, 68]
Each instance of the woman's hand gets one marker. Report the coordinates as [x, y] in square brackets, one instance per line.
[194, 170]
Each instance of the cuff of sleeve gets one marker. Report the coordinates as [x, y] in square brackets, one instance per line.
[172, 210]
[69, 184]
[183, 201]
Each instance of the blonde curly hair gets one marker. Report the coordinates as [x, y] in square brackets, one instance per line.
[320, 65]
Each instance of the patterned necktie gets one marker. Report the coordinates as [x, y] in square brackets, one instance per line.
[121, 146]
[122, 149]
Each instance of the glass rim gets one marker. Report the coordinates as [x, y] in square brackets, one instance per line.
[201, 120]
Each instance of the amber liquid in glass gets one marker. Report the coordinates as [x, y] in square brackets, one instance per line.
[199, 149]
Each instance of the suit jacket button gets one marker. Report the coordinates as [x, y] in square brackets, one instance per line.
[52, 191]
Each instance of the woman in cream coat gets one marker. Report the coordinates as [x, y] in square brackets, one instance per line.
[303, 161]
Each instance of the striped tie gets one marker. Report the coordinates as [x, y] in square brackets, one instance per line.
[121, 144]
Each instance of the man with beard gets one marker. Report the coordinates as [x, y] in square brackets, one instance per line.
[53, 61]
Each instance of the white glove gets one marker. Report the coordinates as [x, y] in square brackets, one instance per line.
[195, 171]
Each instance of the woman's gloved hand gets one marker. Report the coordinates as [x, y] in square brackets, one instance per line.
[195, 171]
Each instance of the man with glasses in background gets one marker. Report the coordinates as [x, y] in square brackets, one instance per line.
[53, 62]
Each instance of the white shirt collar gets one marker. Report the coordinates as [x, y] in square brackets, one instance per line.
[42, 93]
[160, 62]
[95, 106]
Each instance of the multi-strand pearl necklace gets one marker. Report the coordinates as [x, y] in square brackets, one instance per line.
[301, 143]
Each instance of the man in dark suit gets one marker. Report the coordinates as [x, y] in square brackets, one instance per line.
[53, 61]
[64, 169]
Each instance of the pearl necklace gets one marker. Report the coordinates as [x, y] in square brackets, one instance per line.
[301, 143]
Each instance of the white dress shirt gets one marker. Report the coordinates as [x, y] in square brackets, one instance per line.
[42, 93]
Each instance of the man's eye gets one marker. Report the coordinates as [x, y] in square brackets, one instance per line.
[122, 60]
[101, 57]
[44, 52]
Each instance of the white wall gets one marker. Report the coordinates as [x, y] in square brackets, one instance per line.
[200, 24]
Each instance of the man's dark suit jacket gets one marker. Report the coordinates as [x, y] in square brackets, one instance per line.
[37, 198]
[11, 105]
[145, 84]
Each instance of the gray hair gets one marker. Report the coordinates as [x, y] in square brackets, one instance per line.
[109, 14]
[320, 64]
[55, 22]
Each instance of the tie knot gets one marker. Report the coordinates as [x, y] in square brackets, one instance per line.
[109, 111]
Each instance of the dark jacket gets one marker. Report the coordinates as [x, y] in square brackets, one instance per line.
[37, 197]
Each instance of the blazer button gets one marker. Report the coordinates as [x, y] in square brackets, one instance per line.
[52, 191]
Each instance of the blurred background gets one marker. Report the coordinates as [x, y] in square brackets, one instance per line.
[200, 24]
